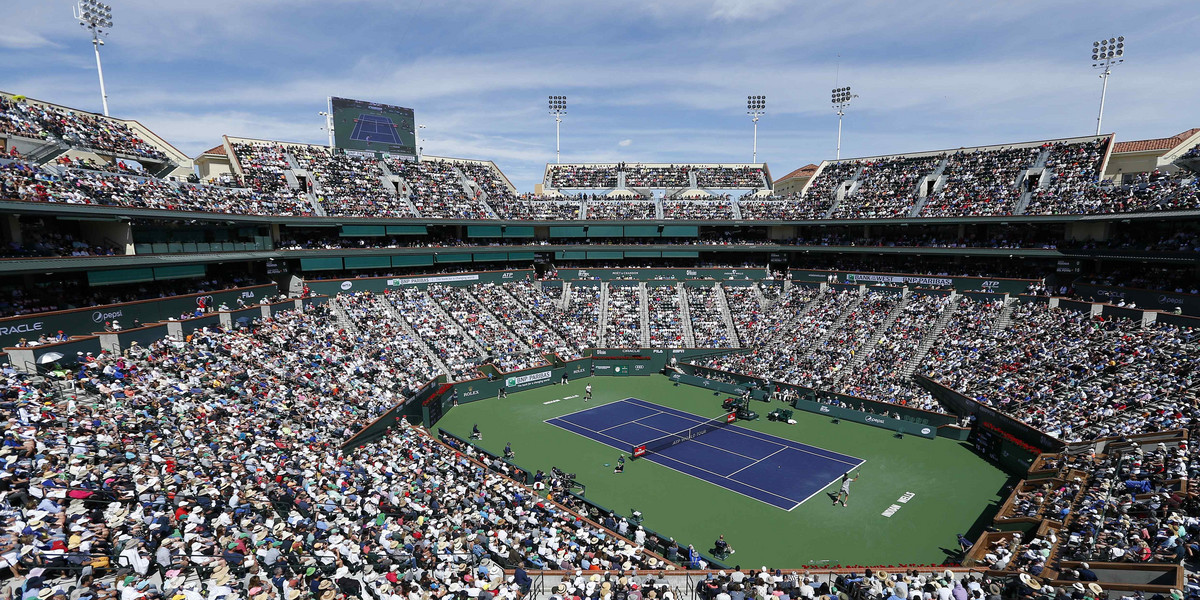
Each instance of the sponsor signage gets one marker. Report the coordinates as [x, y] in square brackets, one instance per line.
[909, 427]
[86, 321]
[1187, 304]
[523, 381]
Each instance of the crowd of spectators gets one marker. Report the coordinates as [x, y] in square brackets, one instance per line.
[521, 317]
[623, 328]
[239, 490]
[1071, 374]
[444, 335]
[731, 177]
[665, 316]
[793, 207]
[705, 311]
[81, 186]
[492, 335]
[352, 185]
[887, 188]
[671, 176]
[823, 188]
[391, 354]
[78, 129]
[581, 177]
[436, 189]
[612, 210]
[881, 375]
[46, 242]
[577, 321]
[980, 183]
[534, 208]
[698, 210]
[1074, 177]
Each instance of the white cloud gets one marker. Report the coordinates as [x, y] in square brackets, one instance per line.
[625, 142]
[18, 39]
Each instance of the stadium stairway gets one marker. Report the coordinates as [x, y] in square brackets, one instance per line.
[685, 317]
[474, 190]
[837, 323]
[762, 299]
[644, 314]
[726, 316]
[291, 160]
[318, 207]
[343, 319]
[525, 349]
[658, 209]
[841, 190]
[1005, 316]
[390, 309]
[53, 149]
[931, 337]
[602, 320]
[467, 335]
[737, 209]
[565, 301]
[549, 327]
[867, 348]
[934, 177]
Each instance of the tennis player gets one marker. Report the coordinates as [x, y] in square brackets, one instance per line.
[844, 492]
[587, 393]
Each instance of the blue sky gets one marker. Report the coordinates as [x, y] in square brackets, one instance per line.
[648, 81]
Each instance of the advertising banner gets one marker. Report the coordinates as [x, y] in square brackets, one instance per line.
[838, 412]
[979, 284]
[85, 321]
[331, 287]
[1187, 304]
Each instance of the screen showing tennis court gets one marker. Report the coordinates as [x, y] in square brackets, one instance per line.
[370, 126]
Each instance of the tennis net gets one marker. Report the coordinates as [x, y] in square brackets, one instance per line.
[679, 437]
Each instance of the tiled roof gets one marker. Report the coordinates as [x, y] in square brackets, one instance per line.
[1156, 144]
[805, 171]
[219, 150]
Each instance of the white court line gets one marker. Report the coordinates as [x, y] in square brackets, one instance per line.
[742, 483]
[756, 462]
[635, 421]
[697, 440]
[824, 487]
[699, 419]
[595, 407]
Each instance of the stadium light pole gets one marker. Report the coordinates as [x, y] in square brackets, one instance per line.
[841, 98]
[328, 126]
[96, 17]
[756, 106]
[1106, 54]
[558, 108]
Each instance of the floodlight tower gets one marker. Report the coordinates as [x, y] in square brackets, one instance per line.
[558, 108]
[97, 17]
[841, 98]
[756, 106]
[1106, 54]
[328, 125]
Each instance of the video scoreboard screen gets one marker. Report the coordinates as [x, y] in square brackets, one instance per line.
[373, 127]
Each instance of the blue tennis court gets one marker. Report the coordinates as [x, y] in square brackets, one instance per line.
[770, 469]
[375, 128]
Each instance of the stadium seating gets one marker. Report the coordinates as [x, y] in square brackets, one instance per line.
[77, 129]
